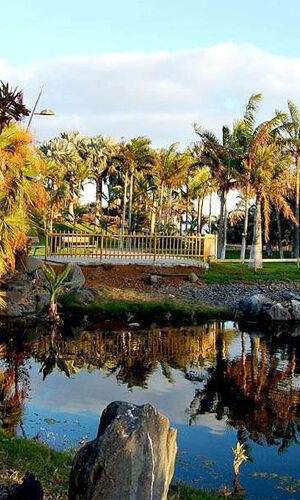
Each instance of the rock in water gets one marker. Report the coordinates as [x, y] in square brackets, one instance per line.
[254, 305]
[132, 457]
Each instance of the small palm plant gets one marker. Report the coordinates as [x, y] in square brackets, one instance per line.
[55, 284]
[240, 456]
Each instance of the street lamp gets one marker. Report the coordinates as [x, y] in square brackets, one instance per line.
[44, 112]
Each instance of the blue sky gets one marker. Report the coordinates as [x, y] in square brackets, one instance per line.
[39, 29]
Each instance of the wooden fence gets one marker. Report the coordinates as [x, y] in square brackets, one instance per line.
[135, 246]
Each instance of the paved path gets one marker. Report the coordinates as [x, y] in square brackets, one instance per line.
[126, 260]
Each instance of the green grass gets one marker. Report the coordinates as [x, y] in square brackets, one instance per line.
[146, 312]
[184, 492]
[19, 455]
[272, 271]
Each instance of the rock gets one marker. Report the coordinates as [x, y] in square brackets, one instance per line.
[277, 312]
[28, 308]
[43, 298]
[254, 305]
[192, 277]
[11, 311]
[85, 294]
[295, 310]
[4, 492]
[75, 277]
[153, 279]
[290, 295]
[132, 457]
[31, 264]
[30, 489]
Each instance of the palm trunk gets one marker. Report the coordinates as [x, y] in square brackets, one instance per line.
[221, 235]
[209, 213]
[297, 211]
[279, 235]
[223, 254]
[124, 204]
[246, 222]
[71, 201]
[153, 215]
[187, 208]
[169, 210]
[130, 205]
[161, 202]
[257, 250]
[199, 213]
[98, 211]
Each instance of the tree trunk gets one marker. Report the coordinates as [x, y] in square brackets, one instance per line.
[98, 211]
[130, 205]
[221, 235]
[246, 222]
[161, 202]
[297, 207]
[71, 201]
[223, 254]
[124, 204]
[257, 250]
[199, 213]
[153, 215]
[209, 213]
[279, 235]
[187, 208]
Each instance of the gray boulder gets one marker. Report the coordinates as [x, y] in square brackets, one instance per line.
[193, 278]
[255, 305]
[290, 296]
[132, 457]
[295, 310]
[31, 264]
[75, 278]
[11, 310]
[85, 294]
[153, 279]
[277, 312]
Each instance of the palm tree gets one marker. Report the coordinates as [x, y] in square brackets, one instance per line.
[290, 132]
[223, 161]
[199, 188]
[22, 191]
[11, 105]
[101, 151]
[270, 182]
[246, 133]
[133, 156]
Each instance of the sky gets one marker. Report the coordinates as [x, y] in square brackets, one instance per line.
[149, 67]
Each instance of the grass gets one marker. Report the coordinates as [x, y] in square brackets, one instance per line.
[231, 272]
[182, 491]
[52, 467]
[19, 455]
[145, 312]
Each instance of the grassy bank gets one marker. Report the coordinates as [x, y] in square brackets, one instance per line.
[20, 455]
[229, 272]
[145, 312]
[53, 469]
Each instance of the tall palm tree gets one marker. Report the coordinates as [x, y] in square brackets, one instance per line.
[101, 151]
[290, 132]
[223, 161]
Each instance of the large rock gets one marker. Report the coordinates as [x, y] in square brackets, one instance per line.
[295, 310]
[31, 264]
[132, 457]
[255, 305]
[277, 312]
[75, 277]
[85, 294]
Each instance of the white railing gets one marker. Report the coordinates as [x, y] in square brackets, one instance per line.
[140, 246]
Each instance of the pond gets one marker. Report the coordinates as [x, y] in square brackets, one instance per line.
[217, 383]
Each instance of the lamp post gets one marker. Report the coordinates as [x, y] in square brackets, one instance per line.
[44, 112]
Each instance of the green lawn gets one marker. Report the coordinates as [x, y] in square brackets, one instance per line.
[272, 271]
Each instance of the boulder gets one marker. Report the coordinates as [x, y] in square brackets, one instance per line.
[31, 264]
[85, 294]
[277, 312]
[75, 278]
[132, 457]
[295, 310]
[255, 305]
[192, 277]
[30, 489]
[290, 296]
[11, 311]
[153, 279]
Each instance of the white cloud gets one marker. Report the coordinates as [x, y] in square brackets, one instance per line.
[156, 94]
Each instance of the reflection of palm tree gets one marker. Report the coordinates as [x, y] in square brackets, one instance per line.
[51, 357]
[252, 393]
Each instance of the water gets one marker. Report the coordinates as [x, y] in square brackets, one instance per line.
[217, 383]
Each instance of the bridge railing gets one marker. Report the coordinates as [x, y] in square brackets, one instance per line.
[135, 246]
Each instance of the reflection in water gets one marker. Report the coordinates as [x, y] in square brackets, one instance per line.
[248, 381]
